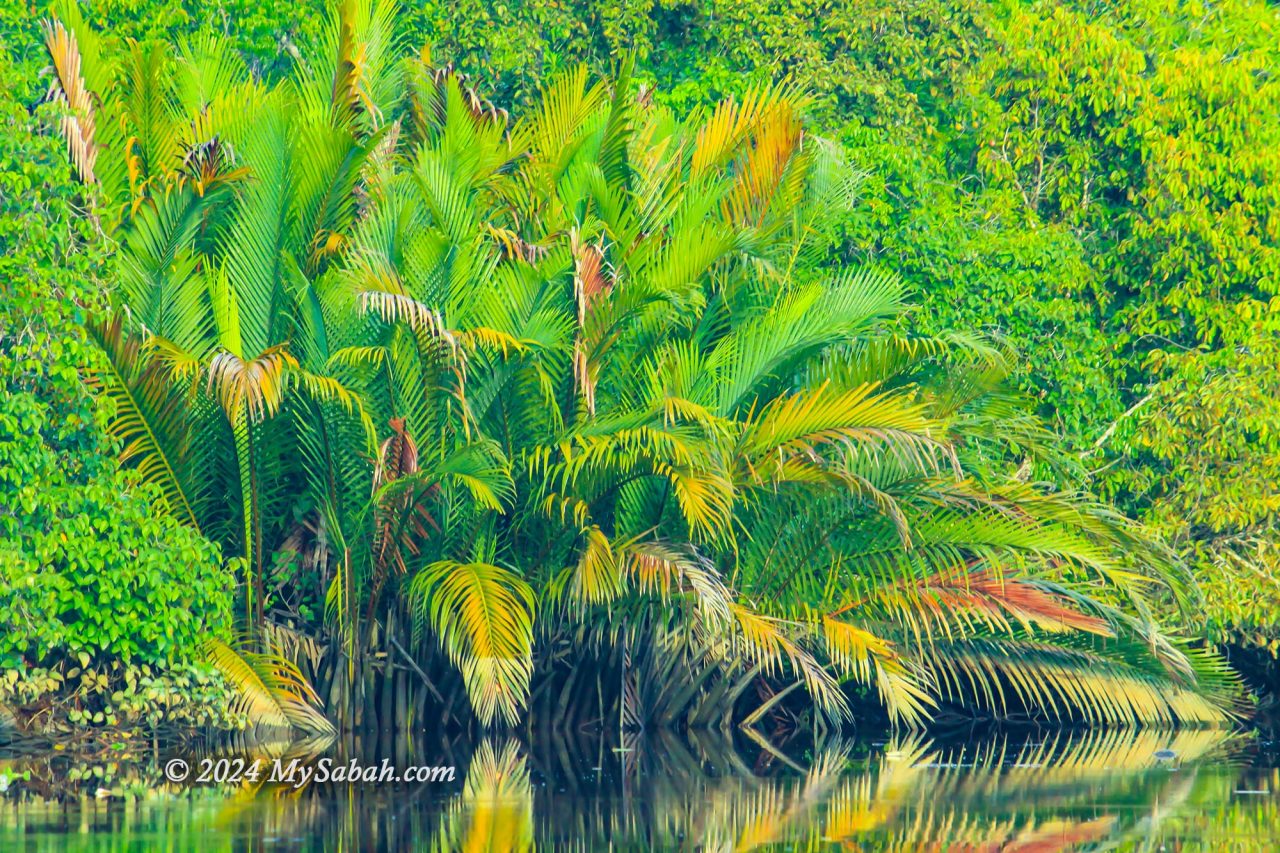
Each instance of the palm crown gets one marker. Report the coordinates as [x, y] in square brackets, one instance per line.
[584, 379]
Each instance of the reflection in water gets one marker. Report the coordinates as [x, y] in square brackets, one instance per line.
[1064, 791]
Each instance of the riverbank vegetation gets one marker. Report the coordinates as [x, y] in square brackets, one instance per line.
[630, 388]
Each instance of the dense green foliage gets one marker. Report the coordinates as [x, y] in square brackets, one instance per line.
[596, 376]
[86, 565]
[1089, 185]
[1094, 181]
[1150, 132]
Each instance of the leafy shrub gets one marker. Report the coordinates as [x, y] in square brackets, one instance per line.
[122, 696]
[1149, 130]
[89, 566]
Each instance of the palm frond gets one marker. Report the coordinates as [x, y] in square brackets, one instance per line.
[867, 658]
[765, 640]
[270, 690]
[802, 423]
[68, 86]
[596, 579]
[1067, 683]
[482, 615]
[255, 387]
[149, 420]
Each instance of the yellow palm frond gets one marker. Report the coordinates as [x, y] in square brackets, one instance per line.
[764, 641]
[181, 364]
[676, 409]
[703, 492]
[597, 579]
[767, 167]
[494, 811]
[803, 422]
[568, 509]
[482, 336]
[721, 137]
[852, 649]
[867, 658]
[483, 617]
[705, 499]
[1066, 684]
[270, 690]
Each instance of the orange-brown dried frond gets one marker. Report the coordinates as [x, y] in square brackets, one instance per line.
[397, 457]
[256, 386]
[994, 599]
[589, 281]
[584, 376]
[402, 515]
[68, 86]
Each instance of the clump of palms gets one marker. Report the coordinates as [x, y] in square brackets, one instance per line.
[584, 379]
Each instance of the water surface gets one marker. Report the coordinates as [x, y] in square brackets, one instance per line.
[1190, 790]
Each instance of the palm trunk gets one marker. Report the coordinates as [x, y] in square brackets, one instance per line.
[251, 531]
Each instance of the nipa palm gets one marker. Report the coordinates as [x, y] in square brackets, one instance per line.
[583, 401]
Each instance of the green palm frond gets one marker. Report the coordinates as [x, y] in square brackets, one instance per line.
[798, 328]
[327, 389]
[253, 247]
[209, 69]
[152, 153]
[149, 419]
[351, 85]
[568, 102]
[329, 170]
[160, 278]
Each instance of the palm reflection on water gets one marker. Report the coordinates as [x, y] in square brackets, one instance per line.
[1126, 790]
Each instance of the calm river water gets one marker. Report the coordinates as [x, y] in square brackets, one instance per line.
[1049, 791]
